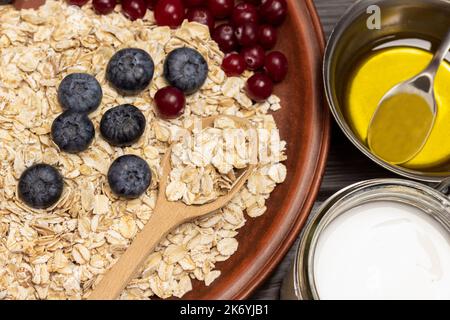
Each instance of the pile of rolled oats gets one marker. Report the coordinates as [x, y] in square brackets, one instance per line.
[61, 253]
[203, 163]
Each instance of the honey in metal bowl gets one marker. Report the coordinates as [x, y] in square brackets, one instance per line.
[380, 69]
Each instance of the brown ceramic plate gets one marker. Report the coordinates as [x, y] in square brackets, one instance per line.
[304, 124]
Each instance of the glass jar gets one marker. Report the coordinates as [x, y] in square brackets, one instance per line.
[300, 282]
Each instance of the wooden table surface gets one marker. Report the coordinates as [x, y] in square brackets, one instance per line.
[346, 164]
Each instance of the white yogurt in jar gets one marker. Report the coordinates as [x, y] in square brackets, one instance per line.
[383, 250]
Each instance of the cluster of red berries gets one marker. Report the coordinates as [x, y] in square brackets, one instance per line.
[250, 32]
[248, 29]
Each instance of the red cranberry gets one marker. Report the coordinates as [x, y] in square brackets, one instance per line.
[273, 11]
[254, 2]
[221, 9]
[247, 34]
[169, 13]
[201, 15]
[267, 36]
[77, 2]
[276, 66]
[194, 3]
[259, 87]
[151, 4]
[134, 9]
[254, 57]
[104, 6]
[170, 102]
[244, 12]
[233, 65]
[225, 38]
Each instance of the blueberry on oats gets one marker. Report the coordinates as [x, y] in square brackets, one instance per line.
[40, 186]
[130, 71]
[185, 69]
[129, 176]
[80, 92]
[73, 132]
[123, 125]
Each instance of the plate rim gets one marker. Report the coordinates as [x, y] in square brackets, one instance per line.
[321, 160]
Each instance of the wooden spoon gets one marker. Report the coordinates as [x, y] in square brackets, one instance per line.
[166, 216]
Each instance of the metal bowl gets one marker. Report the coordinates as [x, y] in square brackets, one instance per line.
[399, 18]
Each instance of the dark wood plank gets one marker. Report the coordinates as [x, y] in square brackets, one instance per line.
[330, 11]
[346, 164]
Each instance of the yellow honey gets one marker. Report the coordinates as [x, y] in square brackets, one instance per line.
[400, 140]
[376, 75]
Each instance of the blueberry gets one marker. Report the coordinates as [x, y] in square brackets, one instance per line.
[6, 2]
[123, 125]
[40, 186]
[129, 176]
[130, 71]
[73, 132]
[80, 92]
[185, 69]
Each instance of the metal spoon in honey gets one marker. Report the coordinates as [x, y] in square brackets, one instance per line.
[166, 216]
[405, 116]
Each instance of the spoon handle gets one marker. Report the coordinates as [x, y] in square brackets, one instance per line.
[120, 274]
[440, 55]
